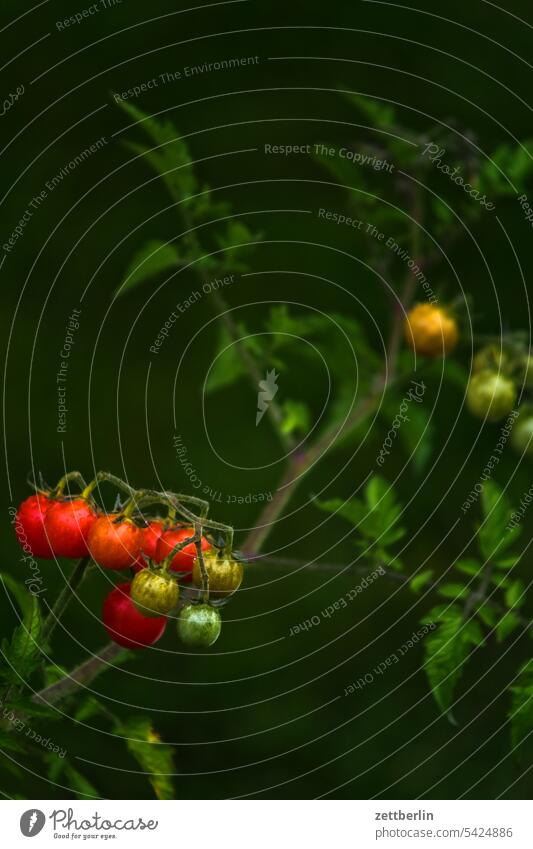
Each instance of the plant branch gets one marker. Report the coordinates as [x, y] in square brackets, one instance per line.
[65, 597]
[82, 674]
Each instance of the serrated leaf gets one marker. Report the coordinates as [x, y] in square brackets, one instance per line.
[169, 157]
[447, 650]
[155, 758]
[494, 537]
[420, 581]
[152, 259]
[353, 510]
[381, 522]
[521, 710]
[22, 655]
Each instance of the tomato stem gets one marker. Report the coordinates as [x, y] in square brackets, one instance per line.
[200, 556]
[75, 477]
[65, 596]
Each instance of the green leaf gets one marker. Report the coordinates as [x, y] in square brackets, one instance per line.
[381, 522]
[19, 591]
[453, 591]
[420, 581]
[60, 770]
[296, 417]
[515, 594]
[155, 758]
[379, 113]
[521, 710]
[228, 366]
[468, 566]
[11, 743]
[508, 562]
[447, 650]
[23, 653]
[494, 538]
[237, 242]
[169, 157]
[354, 510]
[152, 259]
[488, 615]
[418, 436]
[375, 520]
[507, 626]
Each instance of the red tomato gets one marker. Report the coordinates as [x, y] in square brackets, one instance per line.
[183, 560]
[29, 525]
[125, 625]
[67, 525]
[114, 544]
[151, 536]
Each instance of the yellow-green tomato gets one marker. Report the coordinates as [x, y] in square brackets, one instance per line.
[492, 357]
[199, 625]
[154, 594]
[522, 436]
[527, 370]
[490, 395]
[224, 573]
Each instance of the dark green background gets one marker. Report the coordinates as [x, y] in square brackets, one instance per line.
[259, 714]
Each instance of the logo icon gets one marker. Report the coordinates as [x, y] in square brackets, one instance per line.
[267, 391]
[32, 822]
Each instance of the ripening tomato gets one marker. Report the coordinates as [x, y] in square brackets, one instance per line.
[183, 560]
[491, 395]
[114, 542]
[151, 536]
[225, 573]
[154, 594]
[431, 330]
[29, 525]
[67, 525]
[199, 625]
[125, 625]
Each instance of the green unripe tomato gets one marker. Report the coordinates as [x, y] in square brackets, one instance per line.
[199, 625]
[490, 395]
[527, 370]
[154, 594]
[492, 358]
[522, 436]
[224, 573]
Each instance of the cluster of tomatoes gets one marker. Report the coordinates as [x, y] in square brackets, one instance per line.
[163, 555]
[497, 370]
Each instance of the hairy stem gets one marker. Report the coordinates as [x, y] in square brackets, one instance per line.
[81, 675]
